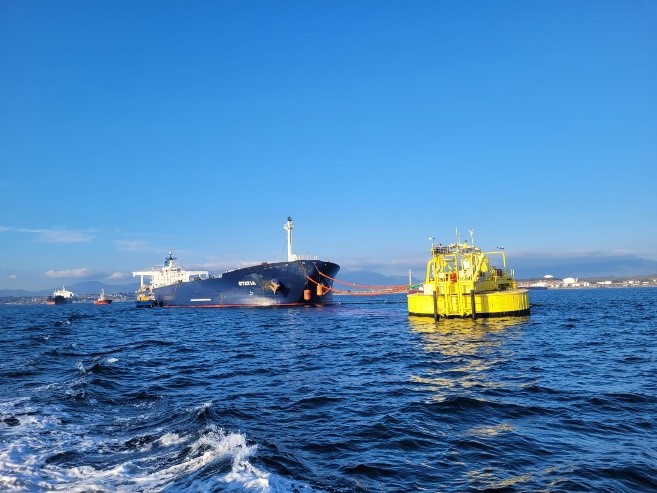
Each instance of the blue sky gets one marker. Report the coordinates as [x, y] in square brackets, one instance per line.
[128, 129]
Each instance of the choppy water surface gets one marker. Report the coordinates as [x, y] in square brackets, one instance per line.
[353, 397]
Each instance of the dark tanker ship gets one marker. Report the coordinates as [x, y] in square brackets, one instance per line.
[301, 280]
[61, 297]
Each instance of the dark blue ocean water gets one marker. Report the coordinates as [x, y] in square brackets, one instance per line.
[355, 397]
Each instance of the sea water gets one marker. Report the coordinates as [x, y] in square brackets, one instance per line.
[354, 397]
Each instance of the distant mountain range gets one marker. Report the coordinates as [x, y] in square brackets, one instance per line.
[611, 266]
[607, 266]
[346, 280]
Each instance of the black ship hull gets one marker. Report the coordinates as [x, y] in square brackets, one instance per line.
[58, 300]
[298, 282]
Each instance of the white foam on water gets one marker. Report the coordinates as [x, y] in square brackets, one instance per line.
[213, 460]
[22, 444]
[213, 448]
[169, 439]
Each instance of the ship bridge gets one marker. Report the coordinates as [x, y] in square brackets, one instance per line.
[169, 274]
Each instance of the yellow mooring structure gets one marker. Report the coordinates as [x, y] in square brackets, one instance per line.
[462, 282]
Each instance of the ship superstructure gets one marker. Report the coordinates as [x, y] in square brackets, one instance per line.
[170, 273]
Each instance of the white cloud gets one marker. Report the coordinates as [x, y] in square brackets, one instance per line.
[61, 235]
[4, 229]
[117, 275]
[223, 266]
[13, 277]
[60, 274]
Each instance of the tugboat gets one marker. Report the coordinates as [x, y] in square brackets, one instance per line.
[61, 297]
[144, 297]
[102, 299]
[301, 280]
[461, 282]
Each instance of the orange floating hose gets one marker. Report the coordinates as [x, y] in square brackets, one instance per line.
[385, 288]
[382, 289]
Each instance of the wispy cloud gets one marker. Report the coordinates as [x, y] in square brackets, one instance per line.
[61, 235]
[4, 229]
[224, 265]
[571, 254]
[220, 265]
[12, 277]
[133, 246]
[68, 273]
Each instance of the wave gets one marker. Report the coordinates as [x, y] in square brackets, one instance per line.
[69, 458]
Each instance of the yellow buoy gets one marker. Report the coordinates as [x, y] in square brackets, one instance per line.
[461, 282]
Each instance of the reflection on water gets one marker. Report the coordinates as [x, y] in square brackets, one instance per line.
[464, 325]
[461, 335]
[490, 430]
[464, 353]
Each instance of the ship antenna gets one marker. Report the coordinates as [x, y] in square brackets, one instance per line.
[471, 237]
[288, 227]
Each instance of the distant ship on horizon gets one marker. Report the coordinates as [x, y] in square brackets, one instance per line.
[61, 297]
[103, 299]
[301, 280]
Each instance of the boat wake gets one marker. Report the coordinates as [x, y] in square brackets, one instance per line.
[48, 451]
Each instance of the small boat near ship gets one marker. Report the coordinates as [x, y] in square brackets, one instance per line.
[300, 280]
[61, 297]
[144, 298]
[102, 299]
[462, 282]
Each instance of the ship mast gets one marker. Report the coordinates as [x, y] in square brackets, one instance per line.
[288, 227]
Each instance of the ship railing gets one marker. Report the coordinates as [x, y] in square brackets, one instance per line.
[306, 257]
[199, 277]
[497, 272]
[442, 250]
